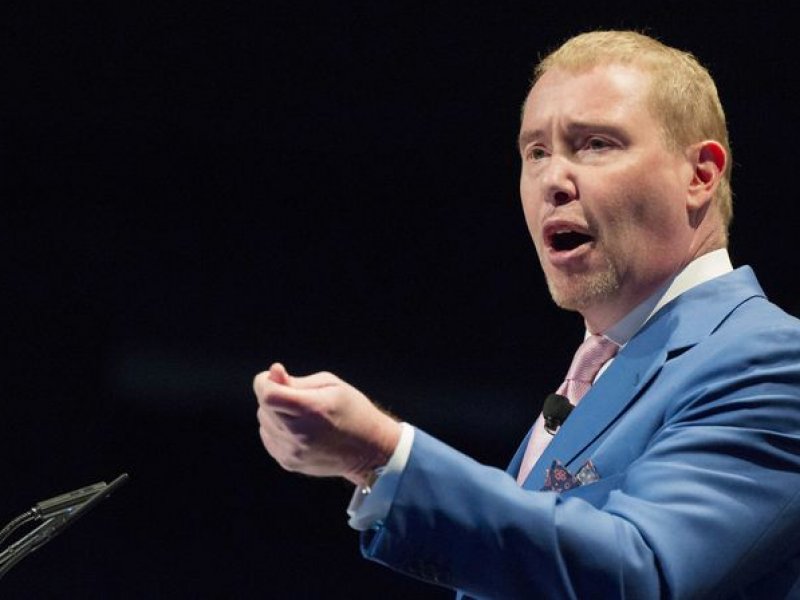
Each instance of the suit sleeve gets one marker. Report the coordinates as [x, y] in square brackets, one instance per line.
[710, 503]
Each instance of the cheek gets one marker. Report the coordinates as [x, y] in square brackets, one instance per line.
[641, 226]
[644, 202]
[655, 215]
[659, 205]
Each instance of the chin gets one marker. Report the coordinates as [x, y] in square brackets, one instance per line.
[583, 290]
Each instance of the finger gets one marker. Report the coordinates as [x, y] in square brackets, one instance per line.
[261, 383]
[279, 374]
[276, 374]
[290, 401]
[273, 428]
[265, 384]
[283, 448]
[275, 445]
[270, 419]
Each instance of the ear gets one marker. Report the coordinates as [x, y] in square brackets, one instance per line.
[708, 160]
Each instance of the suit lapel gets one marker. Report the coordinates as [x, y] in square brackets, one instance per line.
[609, 397]
[516, 461]
[679, 325]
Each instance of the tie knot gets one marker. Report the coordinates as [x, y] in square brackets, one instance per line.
[592, 354]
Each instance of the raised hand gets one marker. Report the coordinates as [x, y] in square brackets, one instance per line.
[319, 425]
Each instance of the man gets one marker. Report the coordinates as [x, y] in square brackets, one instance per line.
[678, 472]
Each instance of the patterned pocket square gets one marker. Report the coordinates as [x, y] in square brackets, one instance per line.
[558, 479]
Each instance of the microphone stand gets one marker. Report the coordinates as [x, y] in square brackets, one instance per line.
[63, 512]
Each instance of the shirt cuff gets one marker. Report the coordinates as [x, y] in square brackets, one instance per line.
[370, 504]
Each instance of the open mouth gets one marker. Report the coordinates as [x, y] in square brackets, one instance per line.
[565, 240]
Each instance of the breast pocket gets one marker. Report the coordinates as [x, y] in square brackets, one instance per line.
[596, 493]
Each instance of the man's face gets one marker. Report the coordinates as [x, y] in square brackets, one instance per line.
[604, 198]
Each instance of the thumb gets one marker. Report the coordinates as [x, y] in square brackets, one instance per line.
[278, 374]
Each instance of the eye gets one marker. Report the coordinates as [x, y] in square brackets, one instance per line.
[597, 143]
[535, 153]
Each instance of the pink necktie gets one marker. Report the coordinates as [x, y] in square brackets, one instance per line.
[592, 354]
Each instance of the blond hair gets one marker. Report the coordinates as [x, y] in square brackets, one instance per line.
[682, 96]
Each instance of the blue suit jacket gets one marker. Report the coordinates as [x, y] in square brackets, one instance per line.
[694, 431]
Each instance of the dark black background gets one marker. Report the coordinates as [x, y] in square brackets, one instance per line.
[192, 190]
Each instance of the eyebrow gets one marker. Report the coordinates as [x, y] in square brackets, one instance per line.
[528, 135]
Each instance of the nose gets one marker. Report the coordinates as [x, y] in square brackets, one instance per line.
[558, 181]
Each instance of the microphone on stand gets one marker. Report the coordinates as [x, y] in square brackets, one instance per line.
[52, 506]
[555, 411]
[57, 513]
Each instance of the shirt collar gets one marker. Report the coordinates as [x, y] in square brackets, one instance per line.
[700, 270]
